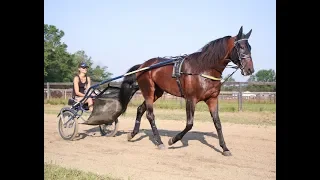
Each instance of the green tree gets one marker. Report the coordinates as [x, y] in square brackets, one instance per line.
[61, 66]
[57, 61]
[81, 56]
[264, 76]
[100, 74]
[252, 78]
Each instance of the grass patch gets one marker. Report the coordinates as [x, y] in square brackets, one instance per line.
[169, 104]
[246, 117]
[254, 118]
[54, 172]
[56, 101]
[224, 106]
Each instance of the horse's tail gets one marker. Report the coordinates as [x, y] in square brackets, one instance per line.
[128, 89]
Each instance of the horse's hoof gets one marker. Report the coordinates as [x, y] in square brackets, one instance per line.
[129, 136]
[226, 153]
[170, 142]
[161, 147]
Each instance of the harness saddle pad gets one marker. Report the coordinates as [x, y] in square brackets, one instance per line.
[176, 72]
[177, 68]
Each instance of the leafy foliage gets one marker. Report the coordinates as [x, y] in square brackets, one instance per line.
[62, 66]
[263, 76]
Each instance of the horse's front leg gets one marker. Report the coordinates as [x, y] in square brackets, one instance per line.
[213, 108]
[190, 108]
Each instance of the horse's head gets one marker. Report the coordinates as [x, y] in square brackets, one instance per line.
[241, 53]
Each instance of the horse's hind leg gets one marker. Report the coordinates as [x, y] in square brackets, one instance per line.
[190, 108]
[140, 111]
[150, 98]
[213, 107]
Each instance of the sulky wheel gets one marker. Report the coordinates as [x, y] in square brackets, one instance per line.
[109, 130]
[68, 125]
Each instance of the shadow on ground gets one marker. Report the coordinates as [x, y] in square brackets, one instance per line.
[147, 133]
[190, 136]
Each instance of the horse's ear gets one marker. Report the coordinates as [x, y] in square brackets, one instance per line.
[240, 33]
[248, 34]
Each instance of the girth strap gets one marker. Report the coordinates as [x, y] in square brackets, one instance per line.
[176, 73]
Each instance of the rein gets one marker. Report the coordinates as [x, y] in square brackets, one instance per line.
[240, 56]
[202, 75]
[214, 78]
[229, 76]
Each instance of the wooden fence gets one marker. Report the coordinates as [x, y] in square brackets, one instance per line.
[64, 90]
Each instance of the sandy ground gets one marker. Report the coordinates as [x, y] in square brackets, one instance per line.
[197, 156]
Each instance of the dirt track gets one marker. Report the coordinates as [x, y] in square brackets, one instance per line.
[198, 156]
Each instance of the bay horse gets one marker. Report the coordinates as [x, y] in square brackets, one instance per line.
[210, 61]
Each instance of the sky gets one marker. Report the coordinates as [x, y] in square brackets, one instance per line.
[122, 33]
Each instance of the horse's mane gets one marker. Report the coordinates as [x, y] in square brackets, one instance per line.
[209, 55]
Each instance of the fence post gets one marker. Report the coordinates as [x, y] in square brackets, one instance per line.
[270, 98]
[48, 91]
[65, 94]
[240, 98]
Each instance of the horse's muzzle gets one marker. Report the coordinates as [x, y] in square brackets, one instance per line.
[246, 66]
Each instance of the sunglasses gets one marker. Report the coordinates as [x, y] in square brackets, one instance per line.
[84, 67]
